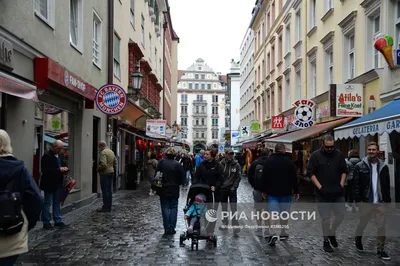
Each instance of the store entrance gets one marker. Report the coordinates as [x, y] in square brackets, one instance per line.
[95, 153]
[38, 148]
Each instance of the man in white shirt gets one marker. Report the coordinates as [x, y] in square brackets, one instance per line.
[372, 188]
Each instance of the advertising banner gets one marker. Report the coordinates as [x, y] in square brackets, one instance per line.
[156, 128]
[346, 100]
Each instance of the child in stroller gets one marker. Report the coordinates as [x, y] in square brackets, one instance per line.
[195, 212]
[200, 198]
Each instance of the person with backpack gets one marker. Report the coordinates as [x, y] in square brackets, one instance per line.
[279, 181]
[172, 176]
[20, 201]
[254, 175]
[229, 187]
[352, 161]
[151, 170]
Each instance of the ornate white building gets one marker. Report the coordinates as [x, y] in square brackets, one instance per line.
[201, 110]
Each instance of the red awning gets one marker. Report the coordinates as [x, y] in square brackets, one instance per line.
[16, 87]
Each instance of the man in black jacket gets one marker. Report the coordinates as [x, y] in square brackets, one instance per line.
[280, 183]
[53, 170]
[259, 199]
[372, 188]
[327, 169]
[229, 186]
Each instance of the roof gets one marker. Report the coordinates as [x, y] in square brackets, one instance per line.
[223, 78]
[180, 74]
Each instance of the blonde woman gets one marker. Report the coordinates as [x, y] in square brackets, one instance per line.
[15, 183]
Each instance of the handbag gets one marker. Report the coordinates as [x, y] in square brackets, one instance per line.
[157, 180]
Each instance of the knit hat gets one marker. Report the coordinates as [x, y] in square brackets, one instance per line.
[200, 198]
[170, 151]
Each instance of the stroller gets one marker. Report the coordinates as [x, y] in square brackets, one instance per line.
[198, 228]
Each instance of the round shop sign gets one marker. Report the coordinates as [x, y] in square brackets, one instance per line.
[111, 99]
[304, 114]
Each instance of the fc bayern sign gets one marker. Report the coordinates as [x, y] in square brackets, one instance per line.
[111, 99]
[304, 113]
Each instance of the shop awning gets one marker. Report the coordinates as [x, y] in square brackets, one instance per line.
[302, 134]
[17, 87]
[253, 143]
[385, 119]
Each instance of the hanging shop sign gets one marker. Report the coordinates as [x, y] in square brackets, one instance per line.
[278, 122]
[255, 126]
[156, 128]
[49, 109]
[111, 99]
[6, 54]
[304, 113]
[346, 100]
[384, 44]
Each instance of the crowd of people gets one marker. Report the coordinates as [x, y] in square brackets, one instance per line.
[341, 184]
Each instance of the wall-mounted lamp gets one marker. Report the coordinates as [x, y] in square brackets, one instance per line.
[136, 81]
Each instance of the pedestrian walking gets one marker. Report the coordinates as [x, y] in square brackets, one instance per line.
[210, 172]
[173, 176]
[53, 170]
[254, 175]
[106, 169]
[199, 158]
[152, 165]
[372, 191]
[186, 163]
[327, 169]
[230, 184]
[352, 160]
[279, 181]
[21, 203]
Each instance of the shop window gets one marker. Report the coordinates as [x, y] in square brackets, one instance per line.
[59, 125]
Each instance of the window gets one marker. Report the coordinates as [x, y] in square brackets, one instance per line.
[214, 122]
[150, 47]
[96, 40]
[203, 110]
[298, 25]
[313, 79]
[197, 109]
[208, 86]
[273, 10]
[273, 57]
[184, 97]
[377, 30]
[215, 98]
[199, 97]
[196, 76]
[287, 94]
[117, 69]
[312, 14]
[75, 26]
[132, 16]
[184, 135]
[214, 134]
[197, 121]
[203, 121]
[298, 86]
[328, 5]
[330, 67]
[280, 48]
[44, 9]
[203, 86]
[196, 86]
[203, 76]
[287, 37]
[202, 135]
[352, 58]
[197, 134]
[397, 22]
[142, 28]
[184, 121]
[215, 110]
[184, 109]
[190, 85]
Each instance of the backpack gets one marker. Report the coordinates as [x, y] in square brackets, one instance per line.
[258, 176]
[11, 219]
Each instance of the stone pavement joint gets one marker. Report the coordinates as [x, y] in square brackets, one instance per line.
[132, 235]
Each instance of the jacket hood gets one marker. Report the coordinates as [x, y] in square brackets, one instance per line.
[9, 167]
[151, 161]
[354, 160]
[381, 163]
[225, 162]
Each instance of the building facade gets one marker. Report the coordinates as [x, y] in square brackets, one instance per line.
[48, 84]
[233, 103]
[201, 99]
[247, 81]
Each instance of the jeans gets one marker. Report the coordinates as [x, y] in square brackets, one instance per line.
[106, 189]
[8, 261]
[279, 205]
[330, 208]
[187, 177]
[169, 210]
[51, 199]
[232, 196]
[349, 191]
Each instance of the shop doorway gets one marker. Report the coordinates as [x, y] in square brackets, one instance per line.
[38, 146]
[95, 153]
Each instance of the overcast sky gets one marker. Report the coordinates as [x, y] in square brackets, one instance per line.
[210, 29]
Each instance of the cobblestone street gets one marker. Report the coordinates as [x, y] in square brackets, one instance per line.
[133, 235]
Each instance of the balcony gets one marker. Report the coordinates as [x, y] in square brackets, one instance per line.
[214, 116]
[199, 138]
[214, 127]
[184, 115]
[199, 114]
[184, 103]
[199, 102]
[214, 104]
[199, 126]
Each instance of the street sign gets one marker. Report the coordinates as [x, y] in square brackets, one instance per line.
[245, 131]
[221, 148]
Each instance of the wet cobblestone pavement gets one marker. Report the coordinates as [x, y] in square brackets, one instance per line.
[133, 235]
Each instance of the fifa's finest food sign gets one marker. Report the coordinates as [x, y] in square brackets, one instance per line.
[304, 113]
[346, 100]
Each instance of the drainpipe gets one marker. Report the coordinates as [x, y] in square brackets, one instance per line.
[165, 26]
[110, 68]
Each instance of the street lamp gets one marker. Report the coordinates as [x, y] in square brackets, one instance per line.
[137, 79]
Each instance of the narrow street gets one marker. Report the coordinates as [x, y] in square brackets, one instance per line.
[132, 235]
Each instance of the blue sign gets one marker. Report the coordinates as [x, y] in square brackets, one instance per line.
[221, 148]
[398, 57]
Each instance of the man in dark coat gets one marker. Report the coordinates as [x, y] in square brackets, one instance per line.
[53, 170]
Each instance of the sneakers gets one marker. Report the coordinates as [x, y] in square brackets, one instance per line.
[283, 237]
[333, 241]
[60, 225]
[47, 226]
[103, 210]
[272, 240]
[383, 255]
[327, 246]
[359, 245]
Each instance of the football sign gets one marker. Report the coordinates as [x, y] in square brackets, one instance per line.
[304, 113]
[111, 99]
